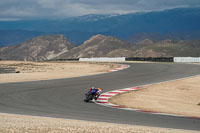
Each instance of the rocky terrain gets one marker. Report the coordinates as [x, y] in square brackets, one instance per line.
[52, 47]
[39, 48]
[96, 46]
[167, 48]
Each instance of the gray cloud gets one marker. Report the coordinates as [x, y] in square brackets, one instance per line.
[65, 8]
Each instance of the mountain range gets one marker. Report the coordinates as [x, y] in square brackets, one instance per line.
[39, 48]
[175, 24]
[51, 47]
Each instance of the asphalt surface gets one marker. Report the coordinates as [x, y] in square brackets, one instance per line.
[63, 98]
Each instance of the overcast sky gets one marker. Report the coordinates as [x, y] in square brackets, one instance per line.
[26, 9]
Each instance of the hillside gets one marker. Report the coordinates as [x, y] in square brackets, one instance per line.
[57, 47]
[96, 46]
[107, 46]
[137, 37]
[39, 48]
[167, 48]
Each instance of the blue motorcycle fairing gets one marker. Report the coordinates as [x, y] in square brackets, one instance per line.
[93, 91]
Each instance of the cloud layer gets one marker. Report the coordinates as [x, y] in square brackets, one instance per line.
[14, 9]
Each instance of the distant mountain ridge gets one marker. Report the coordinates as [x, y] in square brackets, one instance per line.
[79, 29]
[52, 47]
[93, 17]
[159, 37]
[96, 46]
[39, 48]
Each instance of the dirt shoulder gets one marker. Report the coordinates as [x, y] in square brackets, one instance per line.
[10, 123]
[32, 71]
[181, 97]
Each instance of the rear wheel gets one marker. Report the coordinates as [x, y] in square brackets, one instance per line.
[88, 98]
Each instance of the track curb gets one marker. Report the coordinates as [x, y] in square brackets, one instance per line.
[104, 97]
[122, 67]
[104, 101]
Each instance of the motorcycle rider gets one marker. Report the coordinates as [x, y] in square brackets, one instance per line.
[97, 92]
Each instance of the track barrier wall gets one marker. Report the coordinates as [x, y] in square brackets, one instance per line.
[187, 59]
[103, 59]
[75, 59]
[153, 59]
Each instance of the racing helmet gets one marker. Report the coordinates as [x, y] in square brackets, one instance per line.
[99, 90]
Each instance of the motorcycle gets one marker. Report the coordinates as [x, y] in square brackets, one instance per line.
[90, 96]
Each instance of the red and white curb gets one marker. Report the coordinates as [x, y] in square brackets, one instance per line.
[122, 67]
[104, 97]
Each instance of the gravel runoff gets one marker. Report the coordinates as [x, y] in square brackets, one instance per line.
[33, 71]
[184, 94]
[10, 123]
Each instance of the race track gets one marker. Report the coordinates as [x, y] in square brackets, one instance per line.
[63, 98]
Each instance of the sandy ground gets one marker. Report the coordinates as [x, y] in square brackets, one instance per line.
[33, 124]
[31, 71]
[180, 97]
